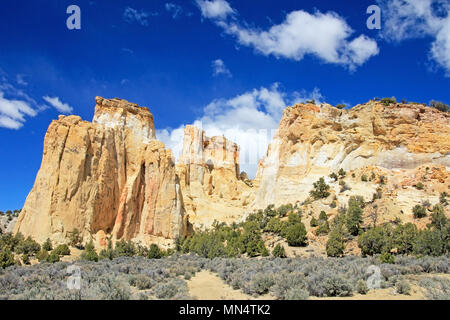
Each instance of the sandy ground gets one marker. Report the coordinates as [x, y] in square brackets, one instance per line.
[208, 286]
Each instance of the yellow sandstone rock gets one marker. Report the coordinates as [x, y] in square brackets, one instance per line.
[109, 177]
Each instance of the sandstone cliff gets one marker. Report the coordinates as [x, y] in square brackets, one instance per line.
[110, 177]
[210, 179]
[313, 141]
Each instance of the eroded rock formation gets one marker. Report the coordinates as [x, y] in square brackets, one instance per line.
[313, 141]
[210, 179]
[110, 177]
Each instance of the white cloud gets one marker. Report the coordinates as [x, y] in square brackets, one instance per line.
[215, 9]
[16, 105]
[131, 15]
[440, 49]
[13, 112]
[127, 50]
[219, 68]
[20, 79]
[410, 19]
[175, 9]
[249, 119]
[58, 105]
[324, 35]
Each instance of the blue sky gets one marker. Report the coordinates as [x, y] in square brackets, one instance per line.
[230, 65]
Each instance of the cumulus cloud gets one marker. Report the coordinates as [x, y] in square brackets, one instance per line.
[409, 19]
[323, 35]
[219, 68]
[215, 9]
[58, 105]
[249, 119]
[131, 15]
[16, 104]
[13, 112]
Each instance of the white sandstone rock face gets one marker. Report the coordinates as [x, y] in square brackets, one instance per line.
[209, 176]
[314, 141]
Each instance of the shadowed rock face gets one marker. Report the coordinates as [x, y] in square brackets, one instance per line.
[210, 179]
[313, 141]
[109, 177]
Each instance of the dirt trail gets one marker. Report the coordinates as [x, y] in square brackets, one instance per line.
[208, 286]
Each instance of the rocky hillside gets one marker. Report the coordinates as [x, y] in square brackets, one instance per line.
[314, 141]
[112, 178]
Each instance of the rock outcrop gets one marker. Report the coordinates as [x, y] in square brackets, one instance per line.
[111, 178]
[210, 179]
[108, 178]
[313, 141]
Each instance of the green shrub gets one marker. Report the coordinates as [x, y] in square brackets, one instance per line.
[336, 244]
[404, 237]
[25, 259]
[376, 240]
[154, 252]
[419, 185]
[296, 235]
[89, 253]
[429, 243]
[341, 106]
[209, 245]
[388, 101]
[419, 212]
[62, 250]
[255, 248]
[440, 106]
[324, 228]
[354, 215]
[124, 249]
[313, 223]
[342, 173]
[6, 258]
[42, 255]
[47, 245]
[387, 257]
[263, 250]
[278, 251]
[107, 253]
[52, 257]
[364, 178]
[28, 246]
[75, 239]
[439, 219]
[320, 190]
